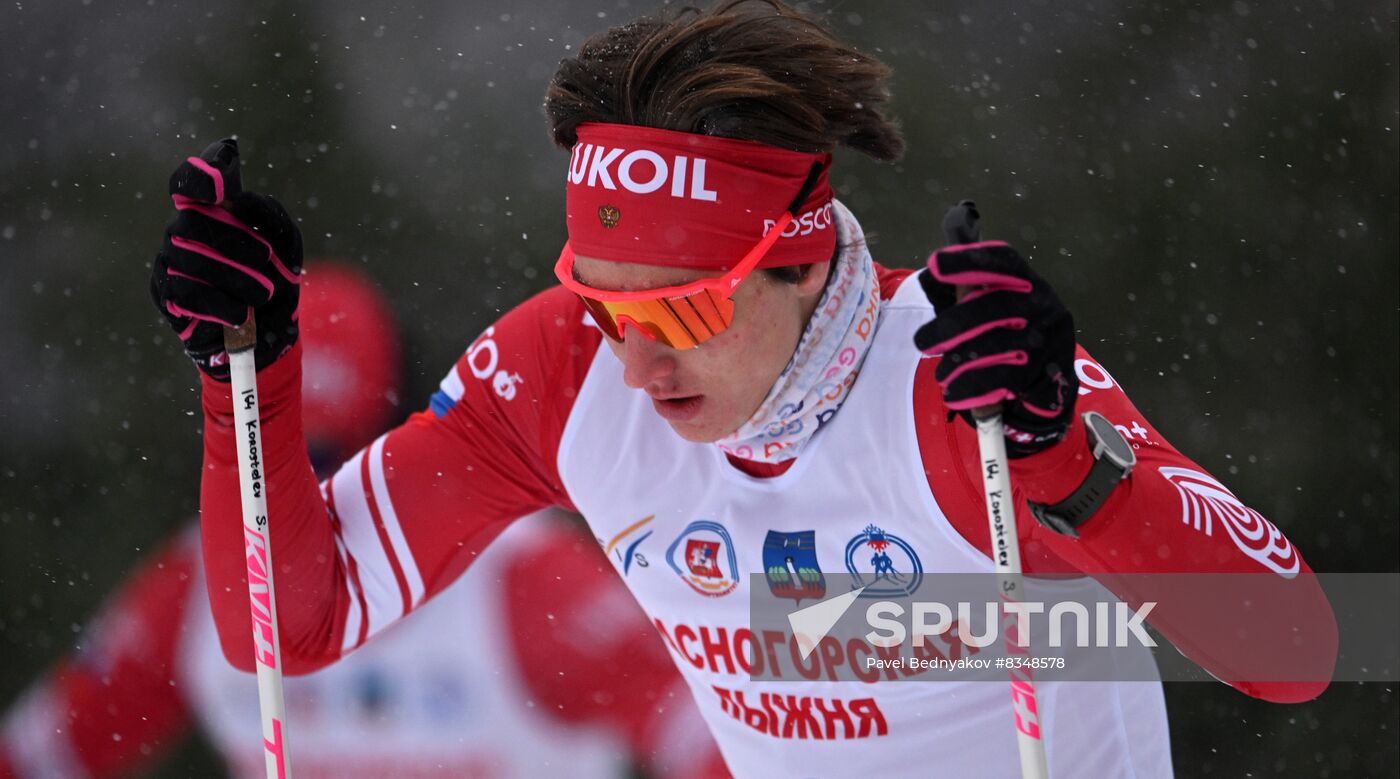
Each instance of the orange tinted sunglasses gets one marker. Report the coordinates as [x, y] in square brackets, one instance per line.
[684, 316]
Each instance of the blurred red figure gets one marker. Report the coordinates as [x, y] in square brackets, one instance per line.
[486, 687]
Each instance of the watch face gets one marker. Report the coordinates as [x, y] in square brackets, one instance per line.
[1115, 448]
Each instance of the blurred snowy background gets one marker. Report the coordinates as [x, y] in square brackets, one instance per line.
[1211, 186]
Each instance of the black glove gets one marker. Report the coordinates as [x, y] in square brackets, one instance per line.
[1004, 337]
[228, 253]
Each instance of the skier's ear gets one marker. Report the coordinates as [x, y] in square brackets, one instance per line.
[813, 280]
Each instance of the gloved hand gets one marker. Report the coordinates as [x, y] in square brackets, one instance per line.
[227, 255]
[1004, 337]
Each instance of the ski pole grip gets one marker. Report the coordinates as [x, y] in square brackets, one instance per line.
[961, 225]
[245, 336]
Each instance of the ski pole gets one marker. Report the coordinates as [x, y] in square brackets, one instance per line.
[239, 344]
[960, 226]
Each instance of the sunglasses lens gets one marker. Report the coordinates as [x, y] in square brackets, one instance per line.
[602, 317]
[680, 323]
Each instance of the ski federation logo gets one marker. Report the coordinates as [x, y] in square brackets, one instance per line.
[703, 556]
[627, 555]
[790, 565]
[1205, 501]
[894, 569]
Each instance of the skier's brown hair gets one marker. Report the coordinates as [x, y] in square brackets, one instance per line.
[755, 70]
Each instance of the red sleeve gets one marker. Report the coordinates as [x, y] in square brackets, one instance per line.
[112, 707]
[590, 656]
[1169, 516]
[404, 517]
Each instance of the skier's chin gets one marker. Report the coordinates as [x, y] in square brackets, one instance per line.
[696, 431]
[702, 427]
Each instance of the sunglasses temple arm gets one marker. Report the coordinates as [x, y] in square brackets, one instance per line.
[813, 176]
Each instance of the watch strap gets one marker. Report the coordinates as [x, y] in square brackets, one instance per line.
[1066, 516]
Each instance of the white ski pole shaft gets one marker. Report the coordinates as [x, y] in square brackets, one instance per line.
[1006, 554]
[961, 225]
[239, 343]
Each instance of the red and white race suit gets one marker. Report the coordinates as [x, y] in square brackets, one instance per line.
[482, 683]
[535, 414]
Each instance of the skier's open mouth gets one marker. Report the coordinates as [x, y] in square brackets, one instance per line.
[678, 409]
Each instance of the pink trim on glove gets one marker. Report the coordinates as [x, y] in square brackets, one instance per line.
[993, 396]
[987, 399]
[221, 215]
[179, 275]
[1040, 412]
[1011, 323]
[199, 248]
[213, 173]
[176, 310]
[997, 281]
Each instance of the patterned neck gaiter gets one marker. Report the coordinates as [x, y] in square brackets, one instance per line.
[819, 377]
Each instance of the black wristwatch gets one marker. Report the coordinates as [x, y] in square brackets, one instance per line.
[1113, 461]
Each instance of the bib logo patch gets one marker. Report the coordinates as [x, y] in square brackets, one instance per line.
[790, 565]
[623, 546]
[884, 564]
[703, 556]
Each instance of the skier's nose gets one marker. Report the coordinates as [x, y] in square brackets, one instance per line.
[644, 360]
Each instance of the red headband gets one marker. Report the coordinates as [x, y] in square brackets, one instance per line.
[661, 197]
